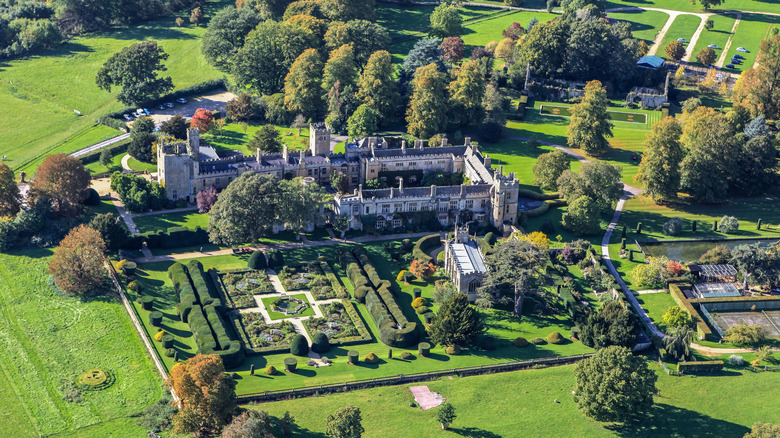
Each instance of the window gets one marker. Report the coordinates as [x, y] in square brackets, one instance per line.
[354, 180]
[380, 223]
[367, 210]
[175, 195]
[373, 171]
[309, 172]
[385, 208]
[474, 285]
[356, 209]
[397, 222]
[398, 207]
[413, 164]
[424, 206]
[428, 163]
[453, 205]
[412, 206]
[443, 208]
[399, 165]
[383, 167]
[470, 204]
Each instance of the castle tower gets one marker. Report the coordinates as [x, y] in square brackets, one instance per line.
[462, 234]
[319, 139]
[177, 167]
[504, 199]
[193, 143]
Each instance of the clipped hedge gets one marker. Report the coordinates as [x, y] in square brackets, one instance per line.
[320, 343]
[453, 350]
[173, 237]
[406, 356]
[555, 338]
[257, 261]
[270, 370]
[702, 329]
[341, 291]
[147, 302]
[371, 358]
[299, 346]
[353, 356]
[424, 349]
[710, 366]
[520, 342]
[167, 341]
[114, 149]
[291, 364]
[423, 245]
[155, 318]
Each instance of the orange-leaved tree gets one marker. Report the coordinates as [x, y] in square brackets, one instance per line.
[62, 180]
[421, 269]
[78, 263]
[202, 119]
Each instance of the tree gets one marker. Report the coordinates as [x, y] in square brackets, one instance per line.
[142, 139]
[267, 54]
[467, 92]
[340, 224]
[659, 171]
[763, 430]
[245, 209]
[206, 199]
[202, 119]
[425, 51]
[206, 394]
[614, 385]
[443, 291]
[175, 127]
[347, 10]
[340, 182]
[590, 124]
[364, 36]
[427, 106]
[495, 104]
[505, 50]
[515, 268]
[286, 423]
[743, 335]
[362, 123]
[759, 88]
[376, 87]
[340, 68]
[445, 21]
[514, 31]
[675, 50]
[422, 269]
[112, 230]
[678, 342]
[706, 56]
[226, 33]
[597, 180]
[268, 139]
[582, 216]
[249, 424]
[62, 180]
[302, 92]
[196, 16]
[342, 103]
[78, 264]
[299, 203]
[135, 70]
[445, 415]
[345, 423]
[677, 317]
[757, 166]
[10, 199]
[719, 255]
[299, 123]
[240, 108]
[728, 225]
[611, 325]
[105, 158]
[313, 26]
[757, 127]
[457, 323]
[452, 49]
[549, 167]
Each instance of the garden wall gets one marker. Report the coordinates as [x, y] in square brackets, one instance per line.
[702, 329]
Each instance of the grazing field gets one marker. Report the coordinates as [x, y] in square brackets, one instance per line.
[645, 25]
[752, 29]
[702, 407]
[49, 339]
[683, 26]
[719, 35]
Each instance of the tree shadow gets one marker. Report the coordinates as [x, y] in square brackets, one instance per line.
[666, 421]
[473, 432]
[297, 431]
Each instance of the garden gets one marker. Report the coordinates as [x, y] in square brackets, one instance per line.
[288, 306]
[337, 323]
[262, 334]
[242, 286]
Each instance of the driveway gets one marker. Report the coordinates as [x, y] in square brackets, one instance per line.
[211, 102]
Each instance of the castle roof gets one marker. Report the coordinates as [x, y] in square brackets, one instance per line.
[443, 191]
[468, 258]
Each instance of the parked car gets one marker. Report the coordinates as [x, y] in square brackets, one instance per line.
[736, 61]
[738, 56]
[161, 107]
[720, 76]
[181, 100]
[148, 113]
[682, 40]
[169, 105]
[730, 66]
[714, 46]
[127, 117]
[742, 49]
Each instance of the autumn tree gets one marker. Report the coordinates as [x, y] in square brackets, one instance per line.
[206, 394]
[675, 50]
[763, 430]
[340, 68]
[466, 93]
[376, 87]
[202, 119]
[445, 21]
[426, 114]
[452, 49]
[659, 171]
[268, 139]
[196, 16]
[249, 424]
[759, 88]
[598, 180]
[456, 323]
[364, 36]
[347, 10]
[590, 124]
[240, 108]
[245, 209]
[206, 199]
[135, 70]
[112, 230]
[549, 167]
[62, 180]
[342, 103]
[515, 269]
[314, 26]
[706, 56]
[302, 92]
[10, 199]
[226, 33]
[78, 264]
[422, 269]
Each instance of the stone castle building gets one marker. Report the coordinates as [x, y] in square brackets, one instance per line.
[187, 167]
[465, 263]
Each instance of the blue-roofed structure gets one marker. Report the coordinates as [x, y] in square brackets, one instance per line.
[650, 61]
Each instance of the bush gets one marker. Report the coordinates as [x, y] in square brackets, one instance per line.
[419, 301]
[490, 238]
[270, 370]
[555, 338]
[737, 360]
[147, 302]
[169, 352]
[406, 355]
[159, 335]
[291, 364]
[353, 356]
[361, 292]
[490, 131]
[710, 366]
[453, 350]
[167, 341]
[128, 267]
[371, 358]
[422, 310]
[520, 342]
[155, 318]
[320, 343]
[424, 349]
[92, 197]
[275, 259]
[299, 346]
[257, 261]
[673, 226]
[417, 292]
[538, 341]
[728, 225]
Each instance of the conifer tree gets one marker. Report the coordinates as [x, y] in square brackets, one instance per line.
[10, 200]
[589, 126]
[456, 323]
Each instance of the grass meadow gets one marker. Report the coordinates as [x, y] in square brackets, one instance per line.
[645, 25]
[719, 35]
[683, 26]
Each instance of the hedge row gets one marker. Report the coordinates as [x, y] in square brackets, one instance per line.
[174, 237]
[423, 245]
[200, 307]
[525, 193]
[702, 329]
[359, 281]
[538, 211]
[94, 157]
[364, 335]
[341, 291]
[709, 366]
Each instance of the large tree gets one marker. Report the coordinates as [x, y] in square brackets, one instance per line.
[759, 88]
[678, 342]
[456, 323]
[112, 230]
[135, 70]
[302, 86]
[78, 264]
[590, 124]
[340, 68]
[659, 171]
[241, 108]
[613, 324]
[299, 203]
[364, 36]
[445, 21]
[245, 209]
[345, 423]
[268, 139]
[376, 87]
[62, 180]
[206, 394]
[515, 268]
[10, 199]
[598, 180]
[582, 216]
[452, 49]
[425, 51]
[614, 385]
[268, 52]
[226, 33]
[249, 424]
[342, 103]
[426, 115]
[362, 123]
[347, 10]
[549, 167]
[142, 139]
[675, 50]
[467, 92]
[758, 165]
[175, 127]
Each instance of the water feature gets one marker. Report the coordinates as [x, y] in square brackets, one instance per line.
[691, 250]
[524, 204]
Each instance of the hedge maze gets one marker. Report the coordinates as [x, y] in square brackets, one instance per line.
[394, 329]
[201, 307]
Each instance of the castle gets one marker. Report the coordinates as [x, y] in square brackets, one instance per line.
[187, 167]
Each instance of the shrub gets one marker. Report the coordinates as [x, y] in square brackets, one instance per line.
[737, 360]
[746, 335]
[728, 225]
[417, 292]
[128, 267]
[257, 261]
[92, 197]
[169, 352]
[167, 341]
[155, 318]
[424, 349]
[353, 356]
[419, 301]
[147, 302]
[422, 310]
[555, 338]
[270, 370]
[299, 346]
[371, 358]
[134, 286]
[406, 355]
[520, 342]
[701, 367]
[673, 226]
[537, 341]
[275, 259]
[453, 350]
[159, 335]
[490, 131]
[401, 275]
[490, 238]
[320, 343]
[291, 364]
[361, 292]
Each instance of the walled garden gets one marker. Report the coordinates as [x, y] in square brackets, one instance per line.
[242, 286]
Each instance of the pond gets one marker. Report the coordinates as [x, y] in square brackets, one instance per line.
[690, 250]
[524, 204]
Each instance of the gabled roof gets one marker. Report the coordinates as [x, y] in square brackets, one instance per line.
[650, 61]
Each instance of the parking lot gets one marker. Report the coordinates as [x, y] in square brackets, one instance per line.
[210, 102]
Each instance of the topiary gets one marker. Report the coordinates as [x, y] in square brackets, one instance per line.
[155, 318]
[134, 286]
[270, 370]
[147, 302]
[353, 356]
[91, 197]
[159, 335]
[421, 310]
[167, 341]
[520, 342]
[371, 358]
[406, 356]
[417, 292]
[555, 338]
[291, 364]
[257, 261]
[424, 349]
[419, 301]
[453, 350]
[320, 343]
[673, 226]
[361, 292]
[169, 352]
[538, 341]
[299, 346]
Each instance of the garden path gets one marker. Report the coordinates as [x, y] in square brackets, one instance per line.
[714, 351]
[126, 217]
[727, 46]
[695, 37]
[125, 164]
[100, 145]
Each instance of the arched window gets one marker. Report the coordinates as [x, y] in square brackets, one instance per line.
[474, 285]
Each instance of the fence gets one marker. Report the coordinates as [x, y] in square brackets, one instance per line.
[401, 379]
[710, 320]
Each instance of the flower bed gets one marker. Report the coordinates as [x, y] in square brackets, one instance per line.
[341, 324]
[302, 276]
[262, 335]
[241, 286]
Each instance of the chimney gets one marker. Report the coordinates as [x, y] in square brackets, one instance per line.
[487, 161]
[462, 189]
[433, 191]
[259, 156]
[301, 155]
[403, 146]
[392, 192]
[444, 140]
[285, 152]
[401, 186]
[360, 190]
[501, 170]
[467, 141]
[511, 175]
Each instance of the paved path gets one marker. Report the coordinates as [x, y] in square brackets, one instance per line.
[695, 37]
[714, 351]
[100, 145]
[725, 53]
[661, 34]
[127, 217]
[125, 165]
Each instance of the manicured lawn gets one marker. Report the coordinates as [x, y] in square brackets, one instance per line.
[519, 157]
[48, 338]
[752, 29]
[233, 137]
[614, 116]
[490, 29]
[40, 92]
[655, 305]
[190, 219]
[683, 27]
[645, 25]
[676, 5]
[702, 407]
[267, 302]
[719, 35]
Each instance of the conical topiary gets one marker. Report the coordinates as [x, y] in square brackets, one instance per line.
[299, 346]
[320, 343]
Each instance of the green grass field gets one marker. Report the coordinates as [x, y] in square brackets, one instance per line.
[482, 32]
[278, 315]
[233, 137]
[645, 25]
[719, 35]
[683, 27]
[702, 407]
[615, 116]
[48, 339]
[655, 305]
[676, 5]
[189, 219]
[752, 29]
